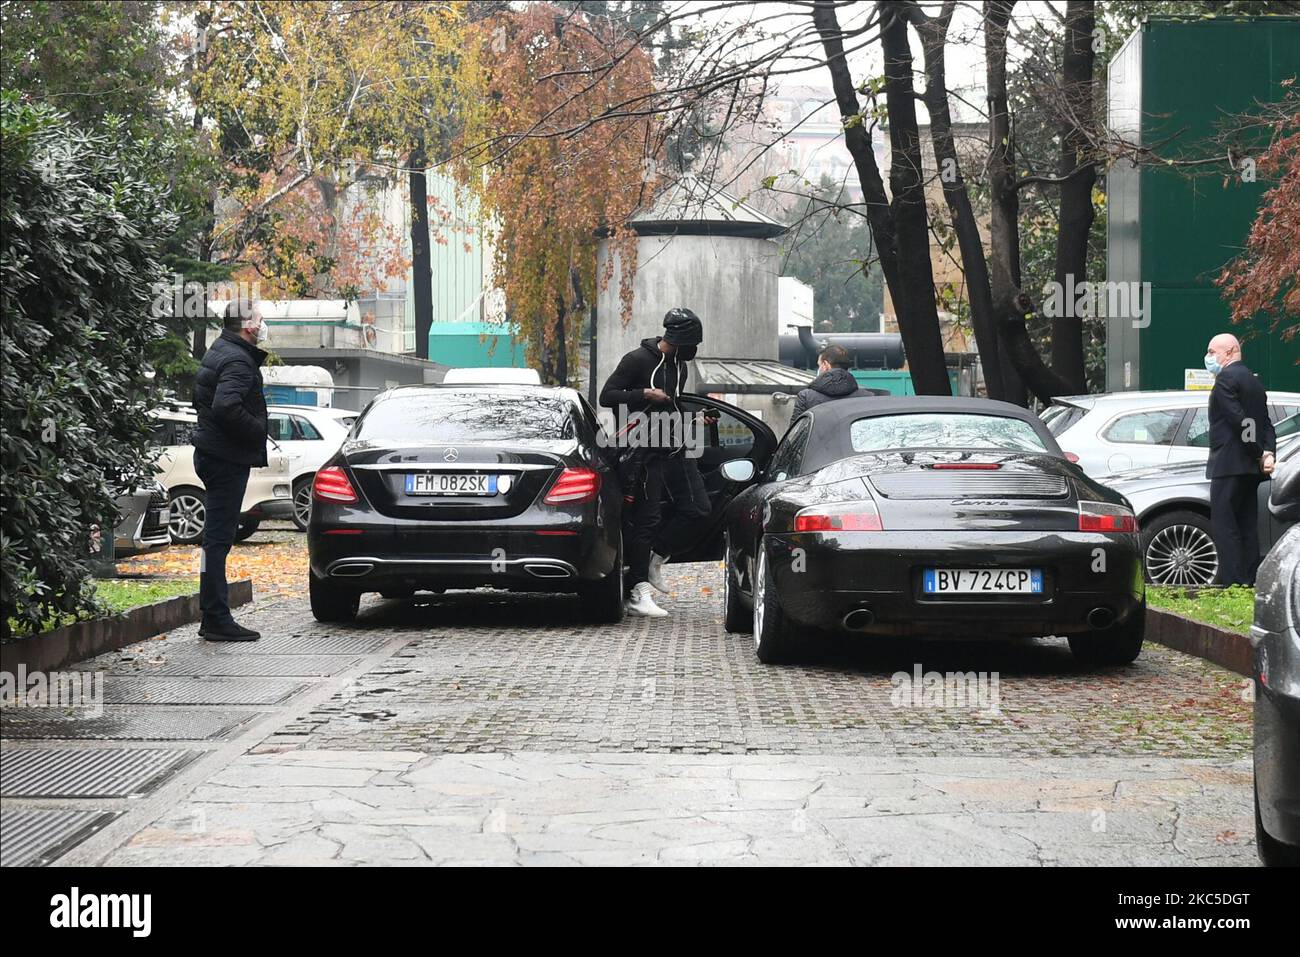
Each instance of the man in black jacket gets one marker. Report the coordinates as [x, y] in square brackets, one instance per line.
[834, 381]
[229, 441]
[648, 380]
[1242, 443]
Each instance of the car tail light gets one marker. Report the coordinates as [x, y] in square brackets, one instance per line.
[966, 466]
[849, 517]
[1104, 517]
[332, 485]
[573, 487]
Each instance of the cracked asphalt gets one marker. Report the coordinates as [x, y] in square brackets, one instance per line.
[492, 729]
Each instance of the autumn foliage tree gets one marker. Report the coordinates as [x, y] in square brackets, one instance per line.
[1265, 278]
[301, 99]
[551, 171]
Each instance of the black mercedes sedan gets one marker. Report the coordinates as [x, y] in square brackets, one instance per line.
[930, 517]
[442, 487]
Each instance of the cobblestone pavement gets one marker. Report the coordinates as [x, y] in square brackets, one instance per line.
[480, 727]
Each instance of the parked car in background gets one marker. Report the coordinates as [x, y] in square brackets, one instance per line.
[1173, 509]
[308, 434]
[489, 375]
[1275, 637]
[143, 525]
[268, 494]
[1119, 431]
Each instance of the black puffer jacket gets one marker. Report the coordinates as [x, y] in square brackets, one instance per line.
[835, 384]
[229, 401]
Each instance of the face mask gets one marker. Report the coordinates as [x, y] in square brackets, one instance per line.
[1212, 364]
[263, 333]
[685, 353]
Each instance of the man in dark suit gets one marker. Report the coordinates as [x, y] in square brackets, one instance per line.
[1242, 443]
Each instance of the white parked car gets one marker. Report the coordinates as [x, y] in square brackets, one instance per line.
[492, 375]
[309, 435]
[1119, 431]
[269, 488]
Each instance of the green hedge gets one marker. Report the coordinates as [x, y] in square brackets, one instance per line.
[81, 231]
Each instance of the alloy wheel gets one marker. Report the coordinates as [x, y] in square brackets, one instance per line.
[187, 516]
[1182, 555]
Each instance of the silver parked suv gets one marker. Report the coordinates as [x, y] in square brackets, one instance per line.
[1118, 431]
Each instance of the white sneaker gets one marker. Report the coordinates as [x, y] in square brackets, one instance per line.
[642, 602]
[655, 574]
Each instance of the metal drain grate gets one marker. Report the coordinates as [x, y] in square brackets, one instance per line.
[265, 666]
[122, 723]
[98, 773]
[298, 645]
[38, 837]
[128, 689]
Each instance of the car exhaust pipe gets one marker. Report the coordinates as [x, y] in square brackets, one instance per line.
[1100, 618]
[545, 570]
[859, 618]
[351, 569]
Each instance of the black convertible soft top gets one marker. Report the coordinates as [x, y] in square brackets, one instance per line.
[829, 440]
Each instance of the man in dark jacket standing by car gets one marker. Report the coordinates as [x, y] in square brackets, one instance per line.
[648, 380]
[834, 381]
[1242, 443]
[229, 441]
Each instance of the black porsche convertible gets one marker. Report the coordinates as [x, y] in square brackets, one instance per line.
[929, 517]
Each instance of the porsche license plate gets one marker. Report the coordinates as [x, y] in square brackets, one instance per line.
[450, 483]
[983, 581]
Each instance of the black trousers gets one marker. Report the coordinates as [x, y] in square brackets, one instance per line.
[676, 478]
[1234, 522]
[224, 483]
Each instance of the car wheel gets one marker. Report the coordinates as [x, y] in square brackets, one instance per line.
[1119, 645]
[246, 529]
[1271, 851]
[331, 601]
[302, 502]
[737, 619]
[772, 633]
[1178, 549]
[602, 601]
[187, 516]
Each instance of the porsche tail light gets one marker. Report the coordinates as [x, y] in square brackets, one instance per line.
[573, 487]
[966, 466]
[1105, 517]
[332, 485]
[849, 517]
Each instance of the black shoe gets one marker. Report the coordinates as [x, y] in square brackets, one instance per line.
[231, 631]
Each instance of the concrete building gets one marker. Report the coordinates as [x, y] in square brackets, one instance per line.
[700, 248]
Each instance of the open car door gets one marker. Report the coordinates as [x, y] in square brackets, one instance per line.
[737, 434]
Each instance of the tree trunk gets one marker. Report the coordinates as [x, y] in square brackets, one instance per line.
[857, 138]
[1076, 166]
[421, 264]
[918, 313]
[934, 36]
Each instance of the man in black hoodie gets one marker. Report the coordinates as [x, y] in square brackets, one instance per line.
[229, 441]
[648, 380]
[835, 381]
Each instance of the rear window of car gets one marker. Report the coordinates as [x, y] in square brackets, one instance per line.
[943, 430]
[1058, 418]
[443, 418]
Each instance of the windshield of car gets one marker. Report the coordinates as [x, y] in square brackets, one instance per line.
[445, 417]
[943, 430]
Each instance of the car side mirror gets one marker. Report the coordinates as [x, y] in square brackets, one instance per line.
[738, 470]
